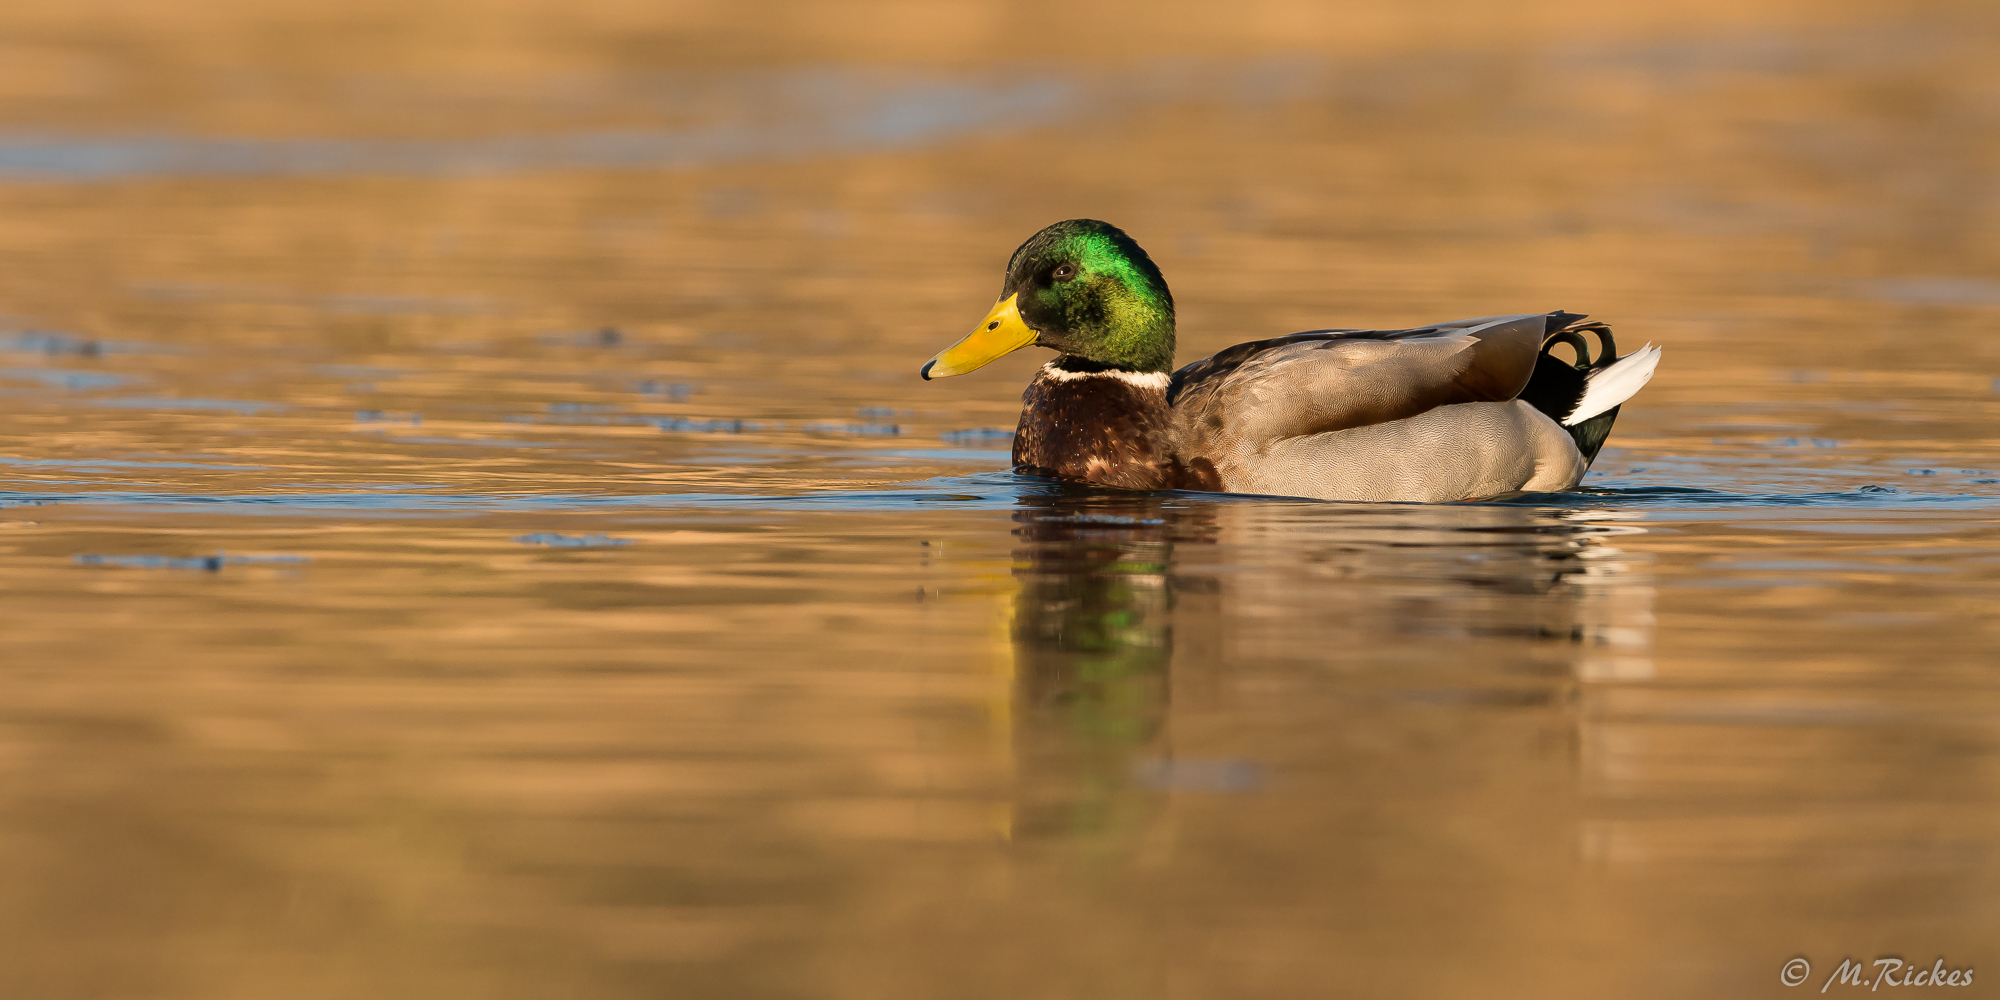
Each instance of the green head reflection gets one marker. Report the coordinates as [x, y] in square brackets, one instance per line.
[1093, 642]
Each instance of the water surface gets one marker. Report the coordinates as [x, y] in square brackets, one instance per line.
[470, 524]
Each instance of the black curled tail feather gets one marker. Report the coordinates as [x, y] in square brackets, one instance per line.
[1557, 386]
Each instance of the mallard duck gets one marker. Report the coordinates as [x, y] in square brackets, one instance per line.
[1470, 409]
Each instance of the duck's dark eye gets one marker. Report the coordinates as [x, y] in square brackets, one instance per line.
[1064, 273]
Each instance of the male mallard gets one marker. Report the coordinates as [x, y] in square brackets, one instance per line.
[1454, 411]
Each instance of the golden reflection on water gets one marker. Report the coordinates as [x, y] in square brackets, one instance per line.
[470, 526]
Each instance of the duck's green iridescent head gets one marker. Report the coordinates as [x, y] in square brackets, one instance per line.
[1082, 288]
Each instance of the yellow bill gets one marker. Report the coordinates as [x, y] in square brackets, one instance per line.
[1001, 332]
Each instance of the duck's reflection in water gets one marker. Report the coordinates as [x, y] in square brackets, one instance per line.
[1137, 615]
[1093, 639]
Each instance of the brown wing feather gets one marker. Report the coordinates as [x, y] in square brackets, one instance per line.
[1330, 380]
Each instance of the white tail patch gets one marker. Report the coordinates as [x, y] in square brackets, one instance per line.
[1607, 387]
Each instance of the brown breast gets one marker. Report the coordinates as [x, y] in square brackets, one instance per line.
[1107, 428]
